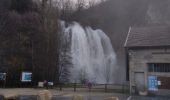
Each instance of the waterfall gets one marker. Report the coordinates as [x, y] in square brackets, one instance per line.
[91, 54]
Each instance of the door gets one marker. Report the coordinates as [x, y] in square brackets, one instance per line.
[140, 81]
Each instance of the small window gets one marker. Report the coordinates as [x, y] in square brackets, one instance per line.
[159, 67]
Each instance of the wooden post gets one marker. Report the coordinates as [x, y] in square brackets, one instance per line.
[60, 87]
[4, 84]
[105, 87]
[89, 86]
[75, 87]
[123, 89]
[4, 80]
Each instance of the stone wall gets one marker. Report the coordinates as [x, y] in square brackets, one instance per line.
[138, 65]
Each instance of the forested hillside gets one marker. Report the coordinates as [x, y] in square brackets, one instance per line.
[28, 40]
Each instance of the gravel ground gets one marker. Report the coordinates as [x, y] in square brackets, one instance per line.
[68, 94]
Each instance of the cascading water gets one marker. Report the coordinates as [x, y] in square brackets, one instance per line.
[92, 55]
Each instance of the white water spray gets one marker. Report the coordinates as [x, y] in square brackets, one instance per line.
[92, 55]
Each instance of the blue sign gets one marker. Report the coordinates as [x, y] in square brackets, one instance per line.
[2, 76]
[152, 83]
[26, 77]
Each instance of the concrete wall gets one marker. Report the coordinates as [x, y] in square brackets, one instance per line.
[138, 65]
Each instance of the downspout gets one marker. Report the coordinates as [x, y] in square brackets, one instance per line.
[127, 61]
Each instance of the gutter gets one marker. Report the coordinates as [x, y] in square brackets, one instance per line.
[127, 36]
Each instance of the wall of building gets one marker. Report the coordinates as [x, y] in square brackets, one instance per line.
[138, 65]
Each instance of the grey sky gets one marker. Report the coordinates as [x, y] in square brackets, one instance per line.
[88, 0]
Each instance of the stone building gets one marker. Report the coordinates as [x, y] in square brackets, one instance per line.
[148, 59]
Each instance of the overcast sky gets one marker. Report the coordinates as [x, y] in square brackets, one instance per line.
[88, 0]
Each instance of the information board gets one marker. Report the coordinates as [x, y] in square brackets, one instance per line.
[2, 76]
[152, 83]
[26, 77]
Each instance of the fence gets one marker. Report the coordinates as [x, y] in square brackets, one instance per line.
[119, 88]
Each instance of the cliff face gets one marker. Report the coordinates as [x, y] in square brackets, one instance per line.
[115, 17]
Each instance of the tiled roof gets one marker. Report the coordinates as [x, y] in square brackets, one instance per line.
[148, 36]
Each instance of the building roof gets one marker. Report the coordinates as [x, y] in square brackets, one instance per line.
[152, 36]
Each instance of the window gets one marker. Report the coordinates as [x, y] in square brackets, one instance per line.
[159, 67]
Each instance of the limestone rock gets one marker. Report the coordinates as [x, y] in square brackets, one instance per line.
[78, 97]
[44, 95]
[112, 98]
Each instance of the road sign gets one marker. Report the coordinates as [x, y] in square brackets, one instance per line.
[152, 83]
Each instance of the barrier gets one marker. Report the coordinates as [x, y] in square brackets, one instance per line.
[44, 95]
[112, 98]
[78, 97]
[11, 97]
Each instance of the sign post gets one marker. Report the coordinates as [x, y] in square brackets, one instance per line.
[3, 78]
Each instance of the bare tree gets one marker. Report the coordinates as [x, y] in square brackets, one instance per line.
[66, 9]
[91, 3]
[80, 5]
[46, 51]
